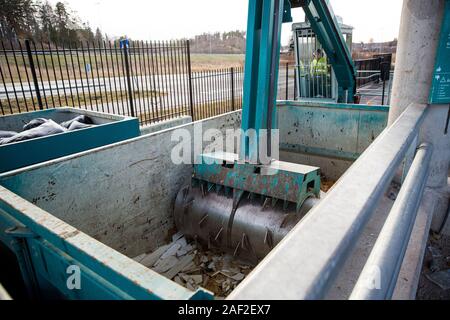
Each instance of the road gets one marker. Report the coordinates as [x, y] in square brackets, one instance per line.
[173, 89]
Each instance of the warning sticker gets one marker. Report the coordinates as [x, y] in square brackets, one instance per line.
[440, 89]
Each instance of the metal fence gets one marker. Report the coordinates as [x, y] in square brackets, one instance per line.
[287, 84]
[370, 85]
[368, 71]
[215, 92]
[149, 80]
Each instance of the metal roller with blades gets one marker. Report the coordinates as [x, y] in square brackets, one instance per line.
[251, 231]
[246, 203]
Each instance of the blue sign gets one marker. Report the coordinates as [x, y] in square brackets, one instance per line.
[440, 88]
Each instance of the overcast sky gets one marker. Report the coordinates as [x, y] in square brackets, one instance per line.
[174, 19]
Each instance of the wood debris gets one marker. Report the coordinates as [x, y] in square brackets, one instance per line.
[191, 267]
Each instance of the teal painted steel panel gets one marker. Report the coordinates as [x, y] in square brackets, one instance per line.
[110, 129]
[330, 130]
[46, 246]
[279, 180]
[58, 245]
[370, 125]
[440, 88]
[265, 18]
[333, 105]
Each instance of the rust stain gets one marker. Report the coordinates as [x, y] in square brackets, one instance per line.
[67, 235]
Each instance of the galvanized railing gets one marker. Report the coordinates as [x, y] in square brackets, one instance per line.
[370, 64]
[392, 242]
[375, 89]
[366, 65]
[307, 262]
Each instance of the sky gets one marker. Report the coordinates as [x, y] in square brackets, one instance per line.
[175, 19]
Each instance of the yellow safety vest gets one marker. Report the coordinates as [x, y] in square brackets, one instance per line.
[319, 67]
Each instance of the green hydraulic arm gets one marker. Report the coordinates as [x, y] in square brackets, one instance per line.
[324, 24]
[263, 55]
[265, 18]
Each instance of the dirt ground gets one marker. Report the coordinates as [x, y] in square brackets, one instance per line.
[203, 62]
[437, 258]
[326, 185]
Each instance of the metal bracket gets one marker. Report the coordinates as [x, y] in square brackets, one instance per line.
[281, 180]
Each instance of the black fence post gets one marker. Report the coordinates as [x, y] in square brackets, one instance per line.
[295, 84]
[233, 107]
[385, 69]
[287, 80]
[127, 69]
[448, 121]
[33, 74]
[191, 94]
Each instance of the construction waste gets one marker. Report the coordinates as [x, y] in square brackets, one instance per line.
[191, 267]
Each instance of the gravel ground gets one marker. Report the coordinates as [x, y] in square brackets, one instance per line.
[437, 258]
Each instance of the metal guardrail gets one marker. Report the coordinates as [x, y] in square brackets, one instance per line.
[390, 248]
[363, 65]
[384, 92]
[373, 75]
[305, 264]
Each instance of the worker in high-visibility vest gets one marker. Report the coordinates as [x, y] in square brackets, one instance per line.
[319, 75]
[319, 65]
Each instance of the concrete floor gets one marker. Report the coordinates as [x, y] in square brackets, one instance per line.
[437, 259]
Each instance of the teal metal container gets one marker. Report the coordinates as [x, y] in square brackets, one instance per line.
[108, 129]
[99, 209]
